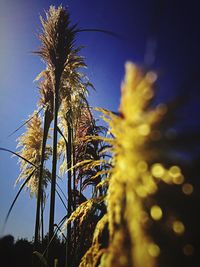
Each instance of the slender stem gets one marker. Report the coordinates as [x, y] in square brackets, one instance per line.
[74, 202]
[54, 165]
[69, 191]
[74, 176]
[42, 217]
[39, 193]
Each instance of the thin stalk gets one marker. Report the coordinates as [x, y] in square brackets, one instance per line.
[47, 122]
[54, 163]
[74, 202]
[69, 190]
[42, 218]
[74, 176]
[55, 232]
[68, 145]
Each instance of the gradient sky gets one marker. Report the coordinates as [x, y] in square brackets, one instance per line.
[174, 25]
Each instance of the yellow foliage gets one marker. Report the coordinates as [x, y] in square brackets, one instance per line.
[82, 211]
[134, 177]
[31, 142]
[92, 256]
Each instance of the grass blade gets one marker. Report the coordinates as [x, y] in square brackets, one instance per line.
[55, 232]
[16, 154]
[101, 30]
[61, 189]
[61, 199]
[25, 123]
[13, 203]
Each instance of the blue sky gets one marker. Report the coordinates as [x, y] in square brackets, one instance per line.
[174, 26]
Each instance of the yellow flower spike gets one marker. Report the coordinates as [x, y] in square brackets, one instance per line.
[31, 143]
[135, 88]
[134, 177]
[127, 185]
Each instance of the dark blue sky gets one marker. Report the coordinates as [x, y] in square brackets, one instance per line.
[172, 27]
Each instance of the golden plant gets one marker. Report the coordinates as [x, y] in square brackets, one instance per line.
[131, 181]
[134, 178]
[64, 91]
[31, 143]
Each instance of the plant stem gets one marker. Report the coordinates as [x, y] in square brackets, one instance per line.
[39, 193]
[54, 164]
[42, 217]
[69, 191]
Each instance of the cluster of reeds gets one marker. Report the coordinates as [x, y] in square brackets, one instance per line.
[63, 89]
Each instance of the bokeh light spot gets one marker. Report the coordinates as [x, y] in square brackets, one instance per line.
[187, 189]
[188, 249]
[157, 170]
[178, 227]
[178, 179]
[142, 166]
[154, 250]
[156, 212]
[175, 171]
[141, 191]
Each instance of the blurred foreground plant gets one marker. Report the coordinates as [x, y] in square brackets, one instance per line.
[132, 181]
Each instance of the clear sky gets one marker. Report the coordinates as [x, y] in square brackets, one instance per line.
[172, 25]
